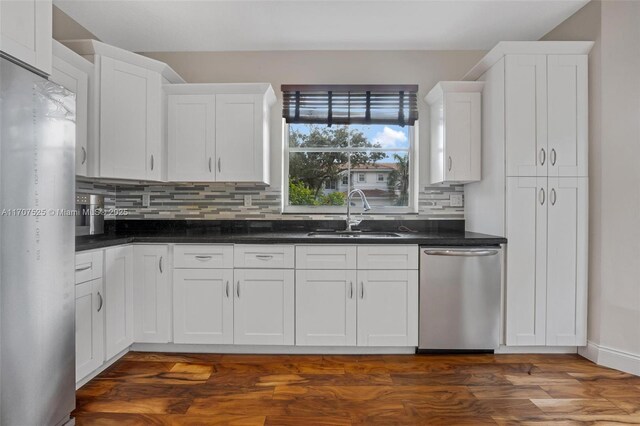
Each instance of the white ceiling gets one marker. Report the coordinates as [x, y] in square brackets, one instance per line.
[215, 25]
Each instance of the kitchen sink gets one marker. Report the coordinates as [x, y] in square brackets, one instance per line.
[352, 234]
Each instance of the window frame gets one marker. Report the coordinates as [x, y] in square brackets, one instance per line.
[414, 181]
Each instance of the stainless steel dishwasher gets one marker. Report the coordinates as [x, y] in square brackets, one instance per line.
[460, 299]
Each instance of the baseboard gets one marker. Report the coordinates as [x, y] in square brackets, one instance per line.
[272, 350]
[80, 383]
[612, 358]
[536, 350]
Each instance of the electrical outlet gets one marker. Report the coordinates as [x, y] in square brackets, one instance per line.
[456, 200]
[146, 200]
[247, 200]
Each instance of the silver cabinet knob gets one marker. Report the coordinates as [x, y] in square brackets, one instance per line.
[542, 156]
[541, 196]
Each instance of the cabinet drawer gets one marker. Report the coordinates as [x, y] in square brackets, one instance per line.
[326, 257]
[88, 266]
[388, 257]
[203, 256]
[263, 256]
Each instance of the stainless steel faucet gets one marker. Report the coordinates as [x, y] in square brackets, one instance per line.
[365, 204]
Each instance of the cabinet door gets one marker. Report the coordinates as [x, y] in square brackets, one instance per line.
[239, 141]
[77, 81]
[326, 308]
[130, 121]
[26, 31]
[387, 308]
[526, 115]
[192, 138]
[264, 307]
[118, 299]
[567, 262]
[89, 327]
[462, 137]
[151, 294]
[203, 306]
[526, 260]
[567, 115]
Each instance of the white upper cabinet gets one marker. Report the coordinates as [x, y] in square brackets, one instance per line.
[130, 121]
[191, 138]
[567, 121]
[26, 31]
[126, 124]
[72, 71]
[546, 115]
[242, 146]
[526, 115]
[219, 132]
[455, 131]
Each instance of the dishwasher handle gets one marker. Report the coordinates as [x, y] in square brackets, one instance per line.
[465, 253]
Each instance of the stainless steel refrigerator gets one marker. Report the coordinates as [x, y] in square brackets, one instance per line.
[37, 300]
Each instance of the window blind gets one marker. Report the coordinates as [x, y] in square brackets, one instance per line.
[350, 104]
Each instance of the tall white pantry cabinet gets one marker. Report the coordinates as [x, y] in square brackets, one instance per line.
[534, 188]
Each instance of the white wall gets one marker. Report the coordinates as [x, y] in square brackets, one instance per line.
[614, 261]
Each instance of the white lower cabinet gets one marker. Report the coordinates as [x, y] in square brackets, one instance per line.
[118, 280]
[371, 301]
[546, 261]
[263, 311]
[151, 294]
[388, 308]
[326, 307]
[89, 327]
[203, 306]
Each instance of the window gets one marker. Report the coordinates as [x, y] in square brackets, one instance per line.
[319, 154]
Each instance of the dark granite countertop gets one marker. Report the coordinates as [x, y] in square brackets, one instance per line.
[432, 233]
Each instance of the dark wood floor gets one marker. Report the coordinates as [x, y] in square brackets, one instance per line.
[194, 389]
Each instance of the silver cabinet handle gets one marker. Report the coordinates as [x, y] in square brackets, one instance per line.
[160, 264]
[466, 253]
[541, 196]
[450, 163]
[264, 256]
[209, 164]
[219, 166]
[361, 289]
[200, 257]
[542, 156]
[227, 289]
[552, 157]
[552, 197]
[238, 289]
[101, 302]
[151, 161]
[350, 289]
[84, 268]
[84, 155]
